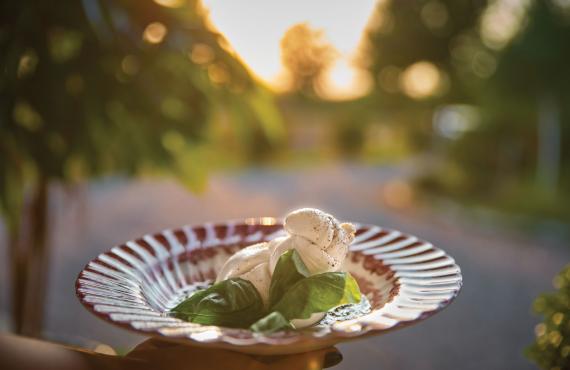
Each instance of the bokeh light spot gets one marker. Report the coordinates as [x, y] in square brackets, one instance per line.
[26, 116]
[483, 64]
[555, 338]
[501, 21]
[130, 65]
[64, 44]
[453, 121]
[154, 33]
[343, 81]
[421, 80]
[540, 330]
[202, 54]
[218, 73]
[171, 3]
[557, 318]
[27, 64]
[434, 15]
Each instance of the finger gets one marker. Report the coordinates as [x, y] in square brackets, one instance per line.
[159, 355]
[314, 360]
[151, 344]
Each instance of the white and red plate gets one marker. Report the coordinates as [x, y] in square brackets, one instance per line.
[134, 285]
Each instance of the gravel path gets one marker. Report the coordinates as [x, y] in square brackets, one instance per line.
[487, 327]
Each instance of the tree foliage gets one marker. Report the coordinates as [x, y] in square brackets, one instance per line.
[306, 55]
[530, 69]
[536, 60]
[402, 33]
[499, 73]
[551, 351]
[95, 87]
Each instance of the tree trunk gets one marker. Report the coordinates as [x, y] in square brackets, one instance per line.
[18, 275]
[29, 263]
[548, 161]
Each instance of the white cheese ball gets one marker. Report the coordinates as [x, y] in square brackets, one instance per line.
[321, 241]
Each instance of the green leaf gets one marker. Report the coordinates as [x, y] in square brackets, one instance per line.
[233, 303]
[294, 294]
[271, 323]
[318, 293]
[288, 271]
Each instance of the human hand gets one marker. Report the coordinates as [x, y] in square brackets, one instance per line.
[20, 353]
[160, 354]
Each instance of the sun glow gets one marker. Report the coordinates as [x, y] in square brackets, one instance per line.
[255, 28]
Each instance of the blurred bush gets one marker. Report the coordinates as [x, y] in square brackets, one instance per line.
[551, 351]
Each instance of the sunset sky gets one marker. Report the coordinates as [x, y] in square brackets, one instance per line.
[255, 28]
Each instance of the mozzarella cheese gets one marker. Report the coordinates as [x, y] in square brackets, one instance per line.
[321, 241]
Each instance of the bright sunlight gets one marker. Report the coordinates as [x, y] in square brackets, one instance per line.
[255, 28]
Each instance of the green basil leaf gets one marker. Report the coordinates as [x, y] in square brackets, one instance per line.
[234, 303]
[271, 323]
[318, 293]
[288, 271]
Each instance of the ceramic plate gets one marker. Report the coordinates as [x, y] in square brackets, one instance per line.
[404, 279]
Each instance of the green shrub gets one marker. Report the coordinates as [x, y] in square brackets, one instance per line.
[552, 347]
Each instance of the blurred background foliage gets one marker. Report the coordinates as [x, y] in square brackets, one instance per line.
[97, 87]
[151, 87]
[475, 92]
[520, 117]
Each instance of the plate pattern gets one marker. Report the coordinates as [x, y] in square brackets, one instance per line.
[134, 284]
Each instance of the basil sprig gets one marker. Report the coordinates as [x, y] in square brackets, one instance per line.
[289, 270]
[293, 294]
[271, 323]
[234, 303]
[318, 293]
